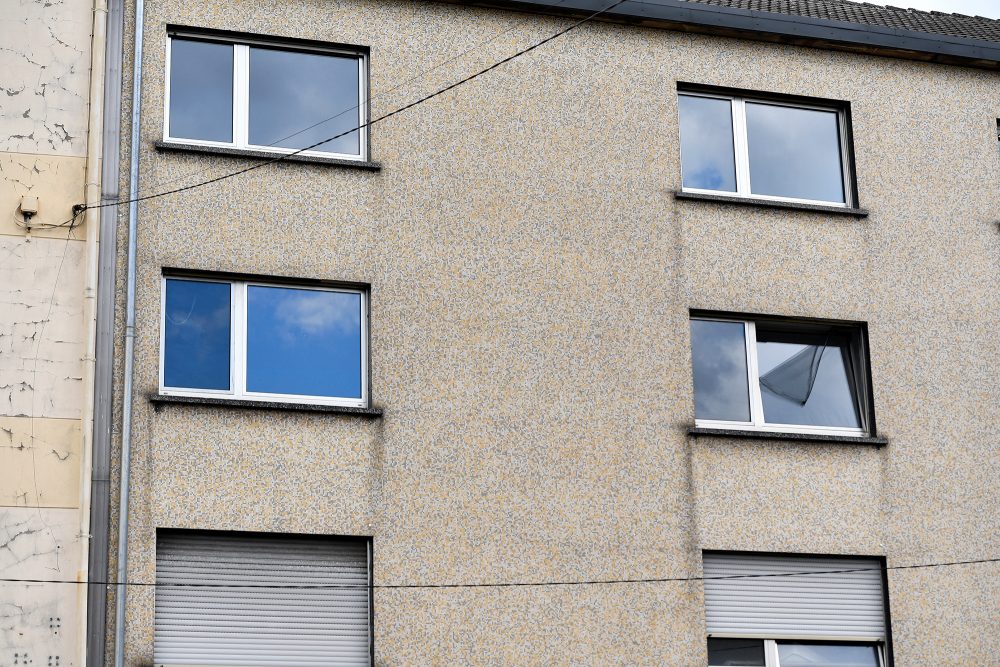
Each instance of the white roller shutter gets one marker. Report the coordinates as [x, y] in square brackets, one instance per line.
[233, 624]
[841, 605]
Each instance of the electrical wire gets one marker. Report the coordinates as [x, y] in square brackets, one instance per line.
[367, 124]
[382, 93]
[502, 584]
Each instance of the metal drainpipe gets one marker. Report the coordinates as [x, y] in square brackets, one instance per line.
[92, 192]
[100, 491]
[133, 220]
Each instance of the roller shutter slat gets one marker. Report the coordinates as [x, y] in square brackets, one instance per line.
[826, 604]
[232, 624]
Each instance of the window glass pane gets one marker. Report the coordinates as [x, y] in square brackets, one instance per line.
[718, 351]
[733, 652]
[794, 152]
[299, 99]
[305, 342]
[196, 331]
[201, 91]
[806, 383]
[827, 655]
[707, 155]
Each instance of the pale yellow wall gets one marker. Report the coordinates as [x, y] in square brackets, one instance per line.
[45, 61]
[532, 277]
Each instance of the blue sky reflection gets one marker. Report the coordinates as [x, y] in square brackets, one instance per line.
[197, 327]
[303, 342]
[718, 351]
[707, 154]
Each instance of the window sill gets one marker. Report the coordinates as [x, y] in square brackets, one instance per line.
[793, 437]
[159, 400]
[767, 203]
[170, 146]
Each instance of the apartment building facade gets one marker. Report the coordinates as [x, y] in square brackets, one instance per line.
[52, 138]
[671, 341]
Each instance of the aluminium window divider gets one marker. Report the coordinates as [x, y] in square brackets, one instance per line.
[753, 375]
[771, 652]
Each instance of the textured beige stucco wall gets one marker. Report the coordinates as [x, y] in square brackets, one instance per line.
[45, 65]
[531, 282]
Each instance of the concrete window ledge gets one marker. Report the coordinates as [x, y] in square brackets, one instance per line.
[159, 400]
[766, 203]
[789, 437]
[170, 146]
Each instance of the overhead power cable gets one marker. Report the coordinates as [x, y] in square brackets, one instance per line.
[361, 126]
[506, 584]
[378, 95]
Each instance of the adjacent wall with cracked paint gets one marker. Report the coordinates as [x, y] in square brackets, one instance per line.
[45, 64]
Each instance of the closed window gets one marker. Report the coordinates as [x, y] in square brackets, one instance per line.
[260, 341]
[264, 96]
[241, 599]
[772, 653]
[779, 375]
[764, 149]
[794, 611]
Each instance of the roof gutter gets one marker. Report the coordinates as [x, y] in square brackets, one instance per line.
[774, 27]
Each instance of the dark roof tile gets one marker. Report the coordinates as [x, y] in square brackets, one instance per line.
[864, 13]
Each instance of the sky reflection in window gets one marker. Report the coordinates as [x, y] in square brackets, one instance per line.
[290, 92]
[826, 655]
[805, 384]
[707, 156]
[794, 152]
[303, 342]
[719, 356]
[201, 91]
[197, 333]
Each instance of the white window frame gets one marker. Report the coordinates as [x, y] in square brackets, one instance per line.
[238, 346]
[741, 150]
[771, 646]
[757, 421]
[241, 96]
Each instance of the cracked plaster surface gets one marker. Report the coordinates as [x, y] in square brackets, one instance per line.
[56, 180]
[39, 462]
[38, 620]
[45, 58]
[41, 327]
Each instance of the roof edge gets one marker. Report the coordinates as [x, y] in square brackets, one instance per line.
[773, 27]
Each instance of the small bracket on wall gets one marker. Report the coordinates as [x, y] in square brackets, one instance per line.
[28, 209]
